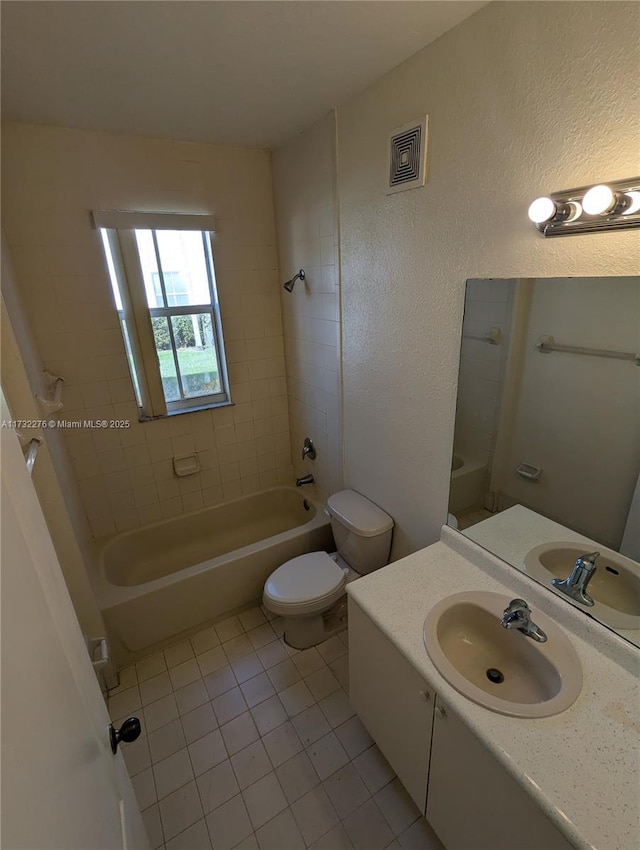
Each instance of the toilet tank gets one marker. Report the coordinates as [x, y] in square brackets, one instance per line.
[362, 530]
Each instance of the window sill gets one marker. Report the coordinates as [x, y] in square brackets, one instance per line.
[171, 413]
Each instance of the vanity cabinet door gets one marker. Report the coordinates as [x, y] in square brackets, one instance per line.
[473, 803]
[393, 702]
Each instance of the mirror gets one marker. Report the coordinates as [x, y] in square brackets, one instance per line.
[546, 455]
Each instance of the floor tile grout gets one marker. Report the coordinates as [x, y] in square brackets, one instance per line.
[315, 665]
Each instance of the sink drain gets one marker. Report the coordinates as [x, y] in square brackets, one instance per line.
[495, 676]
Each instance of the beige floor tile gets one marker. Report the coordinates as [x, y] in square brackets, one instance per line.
[264, 800]
[368, 828]
[297, 776]
[346, 790]
[195, 837]
[282, 744]
[251, 764]
[172, 773]
[180, 810]
[207, 752]
[314, 814]
[239, 733]
[198, 723]
[178, 653]
[229, 824]
[268, 715]
[216, 786]
[166, 741]
[281, 833]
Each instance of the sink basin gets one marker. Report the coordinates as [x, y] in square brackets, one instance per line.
[614, 588]
[501, 669]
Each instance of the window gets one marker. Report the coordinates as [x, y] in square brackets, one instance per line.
[163, 281]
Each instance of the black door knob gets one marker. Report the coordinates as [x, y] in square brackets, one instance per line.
[128, 732]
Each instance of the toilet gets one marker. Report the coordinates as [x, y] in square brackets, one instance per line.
[309, 591]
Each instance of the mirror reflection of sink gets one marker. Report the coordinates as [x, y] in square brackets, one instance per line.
[615, 586]
[501, 669]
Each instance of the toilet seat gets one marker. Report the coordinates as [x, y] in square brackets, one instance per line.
[304, 585]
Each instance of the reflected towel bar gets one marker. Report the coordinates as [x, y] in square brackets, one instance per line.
[546, 344]
[493, 337]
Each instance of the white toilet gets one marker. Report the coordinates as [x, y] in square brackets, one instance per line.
[309, 591]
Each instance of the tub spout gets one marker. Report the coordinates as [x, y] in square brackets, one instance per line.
[306, 479]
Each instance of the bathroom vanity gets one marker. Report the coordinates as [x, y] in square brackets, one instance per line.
[487, 781]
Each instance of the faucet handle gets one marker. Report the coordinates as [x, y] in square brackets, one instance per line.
[308, 449]
[515, 606]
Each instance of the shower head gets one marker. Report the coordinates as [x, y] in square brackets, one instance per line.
[291, 283]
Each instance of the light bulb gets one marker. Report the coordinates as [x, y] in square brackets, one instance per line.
[634, 203]
[541, 210]
[598, 200]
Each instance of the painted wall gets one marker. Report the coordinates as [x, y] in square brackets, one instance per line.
[304, 172]
[578, 417]
[52, 178]
[523, 98]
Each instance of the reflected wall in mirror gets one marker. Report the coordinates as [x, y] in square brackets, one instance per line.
[546, 456]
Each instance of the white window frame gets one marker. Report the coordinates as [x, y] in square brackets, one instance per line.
[119, 229]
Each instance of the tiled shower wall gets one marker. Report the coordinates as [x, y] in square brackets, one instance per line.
[304, 173]
[52, 178]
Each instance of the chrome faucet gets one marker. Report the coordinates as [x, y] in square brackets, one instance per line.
[306, 479]
[308, 449]
[517, 615]
[575, 586]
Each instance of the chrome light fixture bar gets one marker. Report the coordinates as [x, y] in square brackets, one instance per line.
[589, 209]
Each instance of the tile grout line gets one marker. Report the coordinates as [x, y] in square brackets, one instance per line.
[290, 718]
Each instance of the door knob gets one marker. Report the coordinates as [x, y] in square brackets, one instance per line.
[440, 712]
[128, 732]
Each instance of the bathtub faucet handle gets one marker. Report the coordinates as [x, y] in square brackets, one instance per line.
[308, 449]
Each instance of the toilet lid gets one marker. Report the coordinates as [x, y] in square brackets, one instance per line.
[305, 578]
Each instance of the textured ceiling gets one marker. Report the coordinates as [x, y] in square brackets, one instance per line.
[238, 72]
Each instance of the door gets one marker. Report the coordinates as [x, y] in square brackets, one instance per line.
[473, 803]
[392, 700]
[62, 789]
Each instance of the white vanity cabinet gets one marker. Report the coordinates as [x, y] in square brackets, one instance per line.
[392, 700]
[470, 800]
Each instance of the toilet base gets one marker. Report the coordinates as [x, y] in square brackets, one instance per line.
[307, 631]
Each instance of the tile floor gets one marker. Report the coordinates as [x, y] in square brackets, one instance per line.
[471, 516]
[250, 744]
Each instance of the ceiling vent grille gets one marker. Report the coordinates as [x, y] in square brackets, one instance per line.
[408, 156]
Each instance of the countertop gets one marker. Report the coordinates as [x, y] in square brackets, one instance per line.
[582, 766]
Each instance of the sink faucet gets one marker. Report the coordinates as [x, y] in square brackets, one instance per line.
[575, 586]
[517, 615]
[306, 479]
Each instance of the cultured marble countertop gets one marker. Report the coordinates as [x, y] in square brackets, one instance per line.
[582, 766]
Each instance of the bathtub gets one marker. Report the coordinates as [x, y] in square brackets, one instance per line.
[469, 483]
[167, 578]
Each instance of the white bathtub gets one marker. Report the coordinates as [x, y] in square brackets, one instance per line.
[167, 578]
[469, 483]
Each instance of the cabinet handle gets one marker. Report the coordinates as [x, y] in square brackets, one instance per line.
[440, 712]
[425, 696]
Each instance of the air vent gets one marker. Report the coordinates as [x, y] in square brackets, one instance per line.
[408, 156]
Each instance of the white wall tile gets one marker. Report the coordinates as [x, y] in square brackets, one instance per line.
[62, 276]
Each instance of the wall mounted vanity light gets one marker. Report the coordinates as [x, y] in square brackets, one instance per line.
[588, 209]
